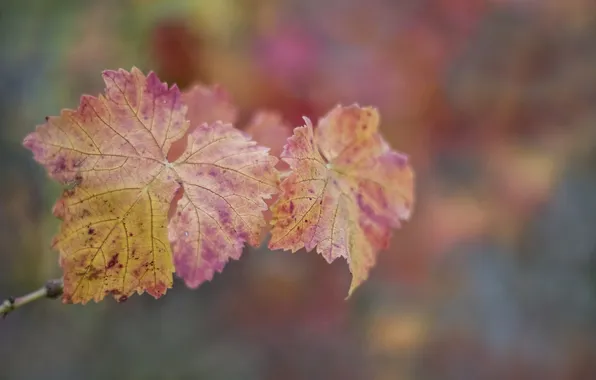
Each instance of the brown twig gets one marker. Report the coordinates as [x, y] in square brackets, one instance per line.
[52, 289]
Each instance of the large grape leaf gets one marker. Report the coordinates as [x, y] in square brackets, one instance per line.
[346, 192]
[112, 152]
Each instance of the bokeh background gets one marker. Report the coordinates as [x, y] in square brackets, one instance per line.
[493, 278]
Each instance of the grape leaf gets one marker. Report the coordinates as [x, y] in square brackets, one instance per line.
[226, 176]
[209, 104]
[346, 192]
[113, 151]
[269, 129]
[238, 176]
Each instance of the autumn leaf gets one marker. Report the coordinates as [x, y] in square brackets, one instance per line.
[269, 129]
[226, 176]
[209, 104]
[112, 152]
[346, 192]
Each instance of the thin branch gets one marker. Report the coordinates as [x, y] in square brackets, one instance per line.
[52, 289]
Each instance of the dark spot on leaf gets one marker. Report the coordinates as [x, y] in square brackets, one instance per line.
[91, 231]
[122, 299]
[94, 274]
[113, 261]
[291, 206]
[130, 234]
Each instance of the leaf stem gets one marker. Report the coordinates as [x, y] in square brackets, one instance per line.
[52, 289]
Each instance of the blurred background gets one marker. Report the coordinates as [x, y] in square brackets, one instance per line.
[493, 278]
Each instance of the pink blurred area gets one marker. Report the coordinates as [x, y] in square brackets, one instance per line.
[493, 277]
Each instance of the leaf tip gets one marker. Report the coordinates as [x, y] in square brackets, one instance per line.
[355, 284]
[109, 74]
[30, 142]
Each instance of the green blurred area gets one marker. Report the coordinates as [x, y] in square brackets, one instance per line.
[495, 101]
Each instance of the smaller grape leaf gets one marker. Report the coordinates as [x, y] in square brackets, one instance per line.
[226, 178]
[237, 176]
[346, 192]
[269, 129]
[113, 151]
[209, 104]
